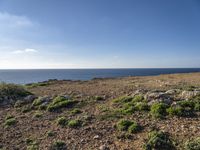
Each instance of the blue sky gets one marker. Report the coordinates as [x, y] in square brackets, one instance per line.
[99, 33]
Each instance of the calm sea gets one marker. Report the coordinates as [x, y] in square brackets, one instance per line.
[38, 75]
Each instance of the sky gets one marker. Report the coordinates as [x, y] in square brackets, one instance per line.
[38, 34]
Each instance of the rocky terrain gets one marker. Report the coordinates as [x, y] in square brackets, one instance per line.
[131, 113]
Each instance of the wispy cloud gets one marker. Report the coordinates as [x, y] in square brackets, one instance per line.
[10, 20]
[27, 50]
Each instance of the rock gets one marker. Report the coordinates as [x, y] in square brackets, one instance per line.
[96, 137]
[104, 147]
[188, 94]
[172, 91]
[29, 98]
[155, 97]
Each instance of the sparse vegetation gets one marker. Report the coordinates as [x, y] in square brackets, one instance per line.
[62, 121]
[10, 121]
[11, 91]
[60, 102]
[158, 140]
[193, 144]
[74, 123]
[58, 145]
[127, 125]
[50, 134]
[158, 110]
[76, 111]
[175, 111]
[38, 115]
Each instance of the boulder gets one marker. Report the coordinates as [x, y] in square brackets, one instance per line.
[156, 97]
[188, 94]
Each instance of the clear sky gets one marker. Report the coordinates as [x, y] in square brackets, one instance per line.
[99, 33]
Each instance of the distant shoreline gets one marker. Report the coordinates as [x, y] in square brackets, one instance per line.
[35, 76]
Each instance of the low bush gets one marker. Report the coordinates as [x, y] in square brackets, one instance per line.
[58, 145]
[74, 123]
[187, 104]
[38, 115]
[60, 102]
[134, 128]
[123, 99]
[50, 133]
[193, 144]
[138, 98]
[158, 110]
[142, 106]
[12, 92]
[175, 111]
[127, 125]
[76, 111]
[62, 121]
[10, 121]
[158, 140]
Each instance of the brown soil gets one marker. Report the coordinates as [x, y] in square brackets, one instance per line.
[180, 128]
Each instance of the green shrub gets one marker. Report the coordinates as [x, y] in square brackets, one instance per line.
[38, 115]
[59, 145]
[62, 121]
[76, 111]
[123, 125]
[60, 102]
[123, 99]
[10, 121]
[141, 106]
[175, 111]
[12, 90]
[134, 128]
[197, 106]
[193, 144]
[26, 109]
[74, 123]
[138, 98]
[50, 133]
[187, 103]
[158, 140]
[158, 110]
[33, 146]
[37, 101]
[98, 98]
[128, 110]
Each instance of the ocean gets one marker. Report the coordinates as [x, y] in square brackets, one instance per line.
[38, 75]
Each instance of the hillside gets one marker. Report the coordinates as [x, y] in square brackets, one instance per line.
[153, 112]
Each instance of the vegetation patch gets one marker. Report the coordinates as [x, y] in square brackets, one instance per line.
[11, 92]
[123, 99]
[158, 110]
[158, 140]
[10, 121]
[38, 115]
[58, 145]
[175, 111]
[74, 123]
[193, 144]
[50, 134]
[62, 121]
[75, 111]
[127, 125]
[60, 102]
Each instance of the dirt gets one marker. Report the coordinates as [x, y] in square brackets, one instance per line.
[95, 131]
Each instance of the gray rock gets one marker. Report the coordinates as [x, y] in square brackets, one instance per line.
[155, 97]
[29, 98]
[104, 147]
[188, 94]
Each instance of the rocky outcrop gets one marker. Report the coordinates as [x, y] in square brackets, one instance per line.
[188, 94]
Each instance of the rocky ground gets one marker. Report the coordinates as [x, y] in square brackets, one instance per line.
[86, 114]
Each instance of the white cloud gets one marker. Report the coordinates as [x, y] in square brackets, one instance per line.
[27, 50]
[10, 20]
